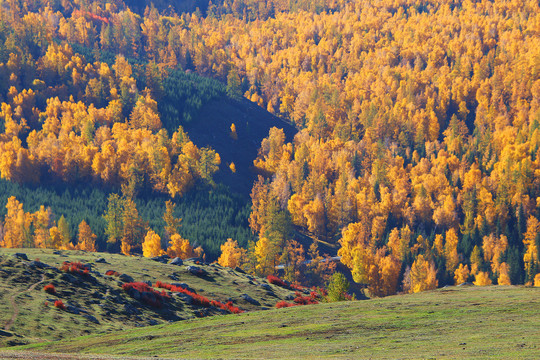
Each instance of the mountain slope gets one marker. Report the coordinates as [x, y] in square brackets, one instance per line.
[97, 303]
[213, 128]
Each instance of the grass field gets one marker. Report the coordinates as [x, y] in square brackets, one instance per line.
[27, 314]
[455, 323]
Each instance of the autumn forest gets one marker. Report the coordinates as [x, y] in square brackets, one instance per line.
[416, 157]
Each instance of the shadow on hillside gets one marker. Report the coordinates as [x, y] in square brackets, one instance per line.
[212, 128]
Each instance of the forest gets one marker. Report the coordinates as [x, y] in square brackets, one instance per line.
[416, 156]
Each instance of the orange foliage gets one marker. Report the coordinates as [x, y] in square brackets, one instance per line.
[482, 279]
[231, 254]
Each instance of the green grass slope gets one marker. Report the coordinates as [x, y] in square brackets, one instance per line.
[454, 322]
[97, 303]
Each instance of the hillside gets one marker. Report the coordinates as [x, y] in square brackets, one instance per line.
[252, 123]
[96, 303]
[453, 322]
[416, 160]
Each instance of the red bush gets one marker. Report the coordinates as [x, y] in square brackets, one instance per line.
[147, 294]
[112, 273]
[199, 299]
[272, 279]
[284, 304]
[305, 300]
[233, 309]
[75, 268]
[296, 287]
[49, 289]
[60, 305]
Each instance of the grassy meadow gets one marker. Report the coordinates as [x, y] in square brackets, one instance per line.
[450, 323]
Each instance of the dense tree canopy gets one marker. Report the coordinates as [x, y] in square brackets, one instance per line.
[417, 150]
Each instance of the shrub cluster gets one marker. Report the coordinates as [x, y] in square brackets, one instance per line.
[60, 305]
[75, 268]
[284, 304]
[272, 279]
[143, 292]
[313, 298]
[306, 300]
[49, 289]
[199, 299]
[112, 273]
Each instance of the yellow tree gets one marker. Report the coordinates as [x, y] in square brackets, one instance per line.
[355, 252]
[399, 245]
[172, 224]
[271, 151]
[266, 255]
[133, 227]
[42, 224]
[493, 248]
[504, 274]
[231, 255]
[208, 164]
[152, 245]
[55, 239]
[179, 247]
[14, 229]
[86, 238]
[388, 268]
[438, 246]
[293, 258]
[530, 258]
[65, 234]
[482, 279]
[423, 275]
[233, 133]
[113, 217]
[450, 250]
[316, 217]
[476, 260]
[461, 274]
[145, 114]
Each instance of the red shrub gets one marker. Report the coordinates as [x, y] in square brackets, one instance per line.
[305, 300]
[272, 279]
[60, 305]
[49, 289]
[112, 273]
[75, 268]
[284, 304]
[199, 299]
[147, 294]
[233, 309]
[296, 287]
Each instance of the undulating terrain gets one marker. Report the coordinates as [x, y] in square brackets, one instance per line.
[96, 302]
[450, 323]
[171, 168]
